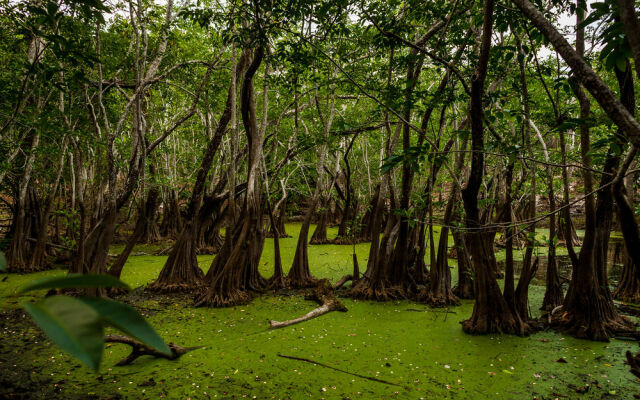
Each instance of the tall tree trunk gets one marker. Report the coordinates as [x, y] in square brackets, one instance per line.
[171, 225]
[181, 271]
[38, 259]
[145, 212]
[277, 280]
[629, 286]
[588, 309]
[439, 293]
[239, 274]
[553, 295]
[490, 312]
[299, 275]
[20, 247]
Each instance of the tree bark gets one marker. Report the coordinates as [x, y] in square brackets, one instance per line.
[491, 314]
[588, 309]
[181, 271]
[239, 272]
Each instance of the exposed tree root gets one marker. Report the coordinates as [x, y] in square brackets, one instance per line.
[584, 325]
[139, 349]
[355, 276]
[342, 281]
[174, 287]
[628, 309]
[227, 299]
[438, 300]
[323, 294]
[628, 289]
[341, 240]
[366, 289]
[181, 271]
[320, 241]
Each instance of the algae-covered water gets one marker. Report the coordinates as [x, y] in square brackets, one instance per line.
[419, 352]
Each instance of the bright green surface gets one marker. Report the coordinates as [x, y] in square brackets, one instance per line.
[427, 354]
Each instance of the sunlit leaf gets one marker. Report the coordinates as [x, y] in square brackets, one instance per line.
[72, 325]
[128, 320]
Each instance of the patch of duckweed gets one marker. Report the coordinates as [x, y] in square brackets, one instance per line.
[421, 350]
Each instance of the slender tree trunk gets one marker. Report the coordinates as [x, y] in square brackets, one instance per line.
[553, 295]
[490, 312]
[628, 289]
[145, 212]
[20, 247]
[299, 275]
[239, 274]
[439, 293]
[171, 221]
[38, 259]
[181, 271]
[588, 310]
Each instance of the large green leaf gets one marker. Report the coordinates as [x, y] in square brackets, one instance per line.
[128, 320]
[72, 325]
[74, 281]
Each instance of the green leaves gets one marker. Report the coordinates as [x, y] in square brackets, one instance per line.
[74, 281]
[412, 155]
[76, 325]
[128, 320]
[72, 325]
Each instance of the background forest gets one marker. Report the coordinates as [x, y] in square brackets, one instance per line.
[249, 161]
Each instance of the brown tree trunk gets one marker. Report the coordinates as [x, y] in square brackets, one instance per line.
[553, 295]
[150, 231]
[509, 282]
[239, 274]
[145, 212]
[628, 289]
[439, 293]
[38, 260]
[299, 274]
[491, 314]
[279, 220]
[320, 232]
[588, 309]
[277, 280]
[465, 287]
[181, 271]
[20, 248]
[171, 221]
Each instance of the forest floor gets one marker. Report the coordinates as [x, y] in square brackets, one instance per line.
[420, 352]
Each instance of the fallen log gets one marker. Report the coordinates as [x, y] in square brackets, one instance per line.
[139, 349]
[321, 294]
